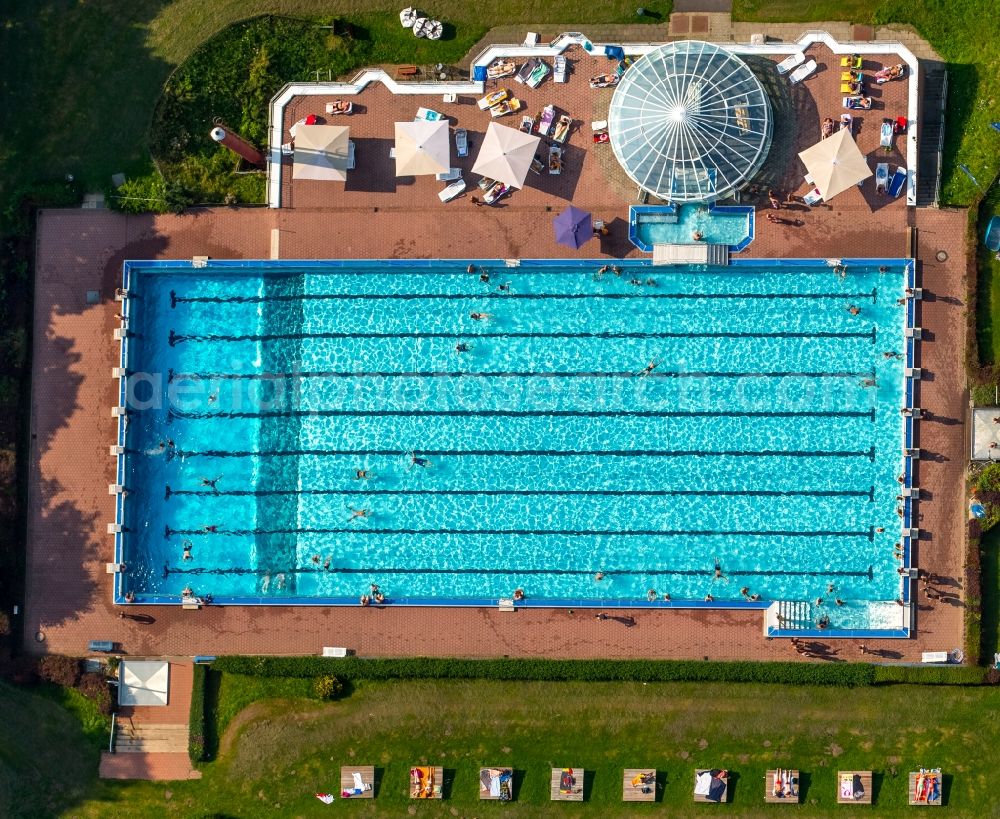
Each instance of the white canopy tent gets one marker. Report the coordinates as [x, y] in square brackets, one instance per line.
[835, 164]
[143, 682]
[422, 148]
[506, 155]
[321, 152]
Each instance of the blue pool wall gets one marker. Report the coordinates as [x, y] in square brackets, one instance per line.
[133, 269]
[640, 213]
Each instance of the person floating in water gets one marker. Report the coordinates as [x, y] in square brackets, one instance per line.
[187, 546]
[745, 591]
[892, 354]
[357, 513]
[480, 316]
[362, 474]
[504, 288]
[326, 564]
[416, 460]
[213, 397]
[853, 309]
[211, 483]
[647, 370]
[717, 573]
[462, 347]
[484, 278]
[213, 528]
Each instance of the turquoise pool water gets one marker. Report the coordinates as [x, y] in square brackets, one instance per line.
[544, 457]
[717, 227]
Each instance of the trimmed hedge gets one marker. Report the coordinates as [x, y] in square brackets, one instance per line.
[837, 674]
[196, 731]
[840, 674]
[929, 675]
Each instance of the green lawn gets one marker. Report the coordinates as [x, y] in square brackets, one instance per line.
[294, 748]
[79, 80]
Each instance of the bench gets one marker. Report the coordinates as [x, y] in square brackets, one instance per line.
[406, 71]
[104, 646]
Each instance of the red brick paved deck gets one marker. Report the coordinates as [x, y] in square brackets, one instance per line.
[157, 767]
[69, 594]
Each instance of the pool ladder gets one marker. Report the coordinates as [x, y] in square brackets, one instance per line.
[795, 614]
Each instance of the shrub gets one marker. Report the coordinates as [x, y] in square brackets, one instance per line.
[55, 668]
[94, 687]
[4, 624]
[327, 687]
[196, 721]
[842, 674]
[929, 675]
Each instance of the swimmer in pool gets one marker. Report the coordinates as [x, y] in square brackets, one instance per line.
[462, 347]
[480, 316]
[362, 474]
[647, 370]
[357, 513]
[416, 460]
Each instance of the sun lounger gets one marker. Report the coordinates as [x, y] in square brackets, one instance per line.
[561, 133]
[501, 68]
[492, 99]
[802, 72]
[847, 122]
[857, 103]
[851, 76]
[882, 177]
[527, 124]
[897, 182]
[461, 142]
[339, 107]
[890, 72]
[814, 197]
[545, 123]
[533, 72]
[536, 166]
[508, 106]
[555, 160]
[493, 191]
[790, 62]
[429, 115]
[453, 190]
[604, 81]
[449, 176]
[885, 135]
[854, 61]
[850, 88]
[350, 154]
[559, 72]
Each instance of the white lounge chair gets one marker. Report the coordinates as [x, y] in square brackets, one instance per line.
[453, 190]
[790, 62]
[885, 135]
[350, 154]
[531, 39]
[802, 72]
[882, 177]
[559, 64]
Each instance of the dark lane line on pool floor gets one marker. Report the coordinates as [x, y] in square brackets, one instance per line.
[505, 295]
[360, 529]
[547, 453]
[735, 493]
[655, 376]
[405, 413]
[608, 573]
[175, 338]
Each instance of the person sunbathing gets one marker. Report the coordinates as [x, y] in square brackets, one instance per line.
[827, 127]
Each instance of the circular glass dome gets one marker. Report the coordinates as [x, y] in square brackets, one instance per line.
[689, 122]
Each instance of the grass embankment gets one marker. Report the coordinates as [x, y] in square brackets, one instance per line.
[283, 751]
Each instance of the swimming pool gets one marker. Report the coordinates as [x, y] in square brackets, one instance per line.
[543, 455]
[672, 224]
